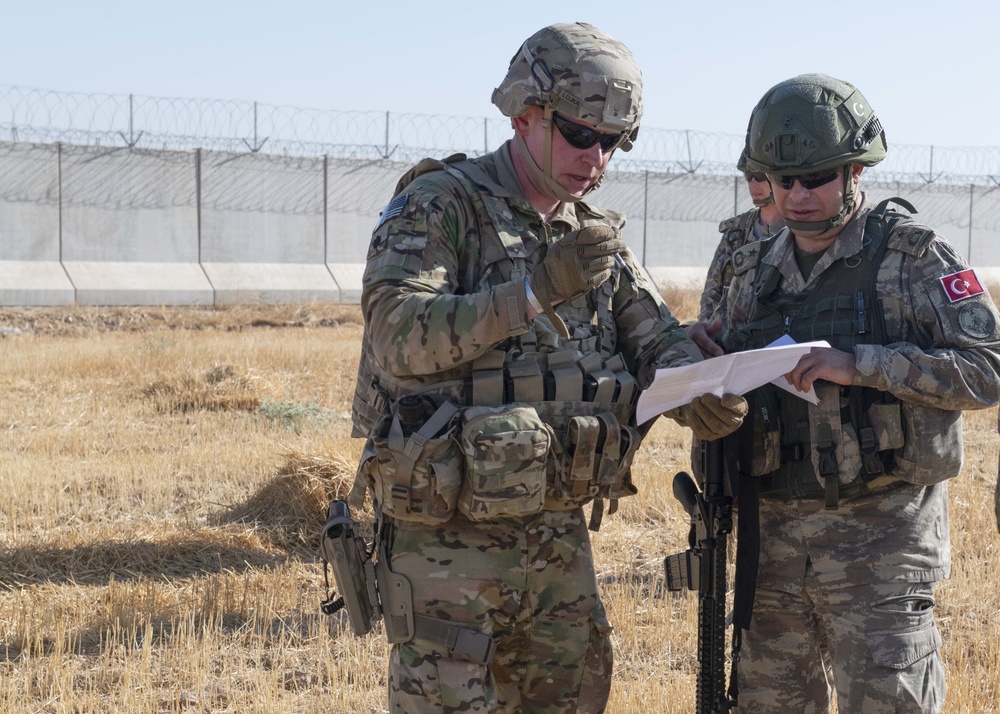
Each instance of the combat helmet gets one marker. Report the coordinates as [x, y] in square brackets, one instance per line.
[741, 166]
[812, 123]
[581, 73]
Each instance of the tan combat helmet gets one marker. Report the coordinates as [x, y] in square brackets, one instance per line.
[583, 74]
[812, 123]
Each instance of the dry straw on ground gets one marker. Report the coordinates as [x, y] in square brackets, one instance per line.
[165, 477]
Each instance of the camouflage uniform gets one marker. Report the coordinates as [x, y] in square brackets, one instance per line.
[853, 585]
[735, 232]
[442, 296]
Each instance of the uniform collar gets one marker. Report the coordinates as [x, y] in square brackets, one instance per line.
[848, 243]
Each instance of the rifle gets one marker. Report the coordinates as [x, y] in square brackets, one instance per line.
[702, 567]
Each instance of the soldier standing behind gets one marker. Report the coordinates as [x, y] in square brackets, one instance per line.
[853, 491]
[508, 332]
[760, 222]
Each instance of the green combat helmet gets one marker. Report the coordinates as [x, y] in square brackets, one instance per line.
[741, 166]
[812, 123]
[583, 74]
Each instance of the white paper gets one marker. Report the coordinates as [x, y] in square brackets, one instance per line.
[809, 396]
[736, 373]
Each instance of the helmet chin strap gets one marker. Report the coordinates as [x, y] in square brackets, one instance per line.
[838, 220]
[542, 177]
[761, 202]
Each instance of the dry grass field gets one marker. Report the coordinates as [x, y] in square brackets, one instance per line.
[164, 475]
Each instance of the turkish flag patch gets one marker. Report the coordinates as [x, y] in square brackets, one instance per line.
[961, 285]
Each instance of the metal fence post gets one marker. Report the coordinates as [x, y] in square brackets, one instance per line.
[645, 214]
[972, 194]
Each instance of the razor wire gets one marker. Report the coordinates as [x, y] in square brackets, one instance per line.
[133, 121]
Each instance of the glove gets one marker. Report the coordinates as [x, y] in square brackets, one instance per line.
[573, 266]
[712, 418]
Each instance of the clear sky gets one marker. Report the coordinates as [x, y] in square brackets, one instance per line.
[929, 68]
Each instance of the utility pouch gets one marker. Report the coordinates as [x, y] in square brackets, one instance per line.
[415, 477]
[343, 549]
[506, 448]
[933, 447]
[886, 421]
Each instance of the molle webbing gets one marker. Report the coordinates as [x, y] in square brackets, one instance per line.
[536, 377]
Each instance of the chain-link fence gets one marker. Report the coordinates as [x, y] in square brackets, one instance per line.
[136, 121]
[112, 199]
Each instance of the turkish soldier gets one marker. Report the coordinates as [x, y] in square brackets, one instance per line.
[760, 222]
[508, 333]
[853, 493]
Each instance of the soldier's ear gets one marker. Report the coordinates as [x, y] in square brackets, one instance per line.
[522, 123]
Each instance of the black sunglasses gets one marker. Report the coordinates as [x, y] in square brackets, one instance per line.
[583, 137]
[755, 176]
[807, 181]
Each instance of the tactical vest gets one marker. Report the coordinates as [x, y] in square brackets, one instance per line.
[837, 440]
[581, 388]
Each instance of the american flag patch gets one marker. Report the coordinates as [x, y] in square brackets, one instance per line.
[961, 285]
[393, 209]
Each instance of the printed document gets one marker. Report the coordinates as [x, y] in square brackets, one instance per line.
[736, 373]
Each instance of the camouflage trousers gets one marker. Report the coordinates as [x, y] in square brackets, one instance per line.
[530, 584]
[875, 645]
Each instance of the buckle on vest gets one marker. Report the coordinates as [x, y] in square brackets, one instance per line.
[871, 463]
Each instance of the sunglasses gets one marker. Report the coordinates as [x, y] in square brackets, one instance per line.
[583, 137]
[755, 176]
[807, 181]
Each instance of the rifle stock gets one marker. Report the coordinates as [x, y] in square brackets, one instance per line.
[702, 567]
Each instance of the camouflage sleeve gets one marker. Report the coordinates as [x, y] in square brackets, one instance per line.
[418, 294]
[948, 350]
[712, 293]
[649, 336]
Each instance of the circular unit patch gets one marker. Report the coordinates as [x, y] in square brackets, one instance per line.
[976, 320]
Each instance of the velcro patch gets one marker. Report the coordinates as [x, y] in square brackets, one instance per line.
[976, 320]
[961, 285]
[393, 209]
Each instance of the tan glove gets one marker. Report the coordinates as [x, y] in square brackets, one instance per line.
[712, 418]
[573, 266]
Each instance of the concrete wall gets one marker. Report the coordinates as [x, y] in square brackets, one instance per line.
[96, 225]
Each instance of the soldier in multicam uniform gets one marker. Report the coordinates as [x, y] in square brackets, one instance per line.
[853, 529]
[760, 222]
[508, 332]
